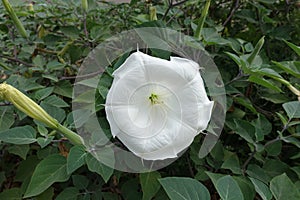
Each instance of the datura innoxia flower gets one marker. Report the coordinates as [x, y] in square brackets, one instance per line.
[156, 107]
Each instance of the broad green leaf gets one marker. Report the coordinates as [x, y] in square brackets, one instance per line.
[228, 189]
[246, 187]
[130, 189]
[294, 47]
[69, 193]
[76, 158]
[53, 100]
[43, 93]
[50, 170]
[262, 127]
[64, 88]
[96, 166]
[245, 129]
[150, 184]
[46, 195]
[262, 189]
[274, 149]
[11, 194]
[20, 150]
[6, 118]
[54, 65]
[257, 172]
[19, 135]
[283, 188]
[26, 168]
[292, 109]
[263, 82]
[80, 182]
[180, 188]
[275, 167]
[231, 162]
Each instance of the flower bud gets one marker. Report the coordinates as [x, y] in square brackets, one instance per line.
[26, 105]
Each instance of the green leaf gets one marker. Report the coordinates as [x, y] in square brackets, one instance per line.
[50, 170]
[6, 118]
[231, 162]
[229, 189]
[292, 109]
[53, 100]
[262, 127]
[150, 184]
[69, 193]
[64, 88]
[76, 158]
[294, 47]
[292, 140]
[46, 195]
[44, 141]
[43, 93]
[245, 129]
[291, 67]
[96, 166]
[262, 189]
[246, 103]
[11, 194]
[20, 150]
[283, 188]
[130, 189]
[55, 65]
[246, 187]
[263, 82]
[256, 50]
[179, 188]
[19, 135]
[80, 182]
[26, 168]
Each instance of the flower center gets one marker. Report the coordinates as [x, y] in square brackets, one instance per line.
[154, 99]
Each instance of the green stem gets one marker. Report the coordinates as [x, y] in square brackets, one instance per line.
[15, 19]
[202, 20]
[72, 136]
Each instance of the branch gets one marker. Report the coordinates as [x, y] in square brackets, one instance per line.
[17, 60]
[233, 9]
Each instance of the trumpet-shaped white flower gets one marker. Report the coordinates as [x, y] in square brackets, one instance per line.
[156, 107]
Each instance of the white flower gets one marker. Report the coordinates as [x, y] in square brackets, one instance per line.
[156, 107]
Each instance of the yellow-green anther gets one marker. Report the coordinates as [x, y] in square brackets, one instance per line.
[84, 4]
[33, 110]
[15, 19]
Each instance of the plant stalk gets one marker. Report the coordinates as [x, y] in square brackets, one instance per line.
[15, 19]
[202, 20]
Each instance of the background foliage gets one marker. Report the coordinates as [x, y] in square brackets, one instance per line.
[257, 156]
